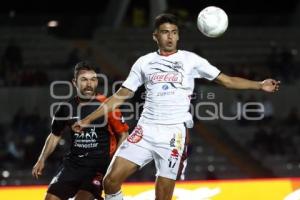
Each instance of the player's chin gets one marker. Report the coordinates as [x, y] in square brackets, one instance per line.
[170, 48]
[88, 94]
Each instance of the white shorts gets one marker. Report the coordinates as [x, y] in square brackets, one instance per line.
[164, 144]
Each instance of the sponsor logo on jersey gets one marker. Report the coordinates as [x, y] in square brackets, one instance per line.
[175, 153]
[165, 87]
[87, 135]
[86, 139]
[165, 77]
[136, 135]
[177, 65]
[98, 179]
[172, 142]
[173, 158]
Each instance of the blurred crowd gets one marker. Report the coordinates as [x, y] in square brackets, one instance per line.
[280, 137]
[22, 139]
[281, 63]
[14, 73]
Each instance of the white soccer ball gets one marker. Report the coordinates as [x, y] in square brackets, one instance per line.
[212, 21]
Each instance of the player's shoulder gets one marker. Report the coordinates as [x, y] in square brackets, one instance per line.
[144, 60]
[193, 57]
[63, 108]
[147, 56]
[101, 97]
[190, 54]
[69, 102]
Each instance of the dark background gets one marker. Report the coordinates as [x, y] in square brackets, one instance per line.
[262, 41]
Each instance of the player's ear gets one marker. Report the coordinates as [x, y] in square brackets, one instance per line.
[154, 36]
[74, 82]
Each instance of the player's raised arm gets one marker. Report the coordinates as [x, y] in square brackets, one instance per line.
[268, 85]
[107, 106]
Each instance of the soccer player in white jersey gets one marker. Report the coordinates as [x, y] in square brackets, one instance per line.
[168, 75]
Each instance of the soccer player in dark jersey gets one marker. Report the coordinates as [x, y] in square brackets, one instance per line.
[91, 150]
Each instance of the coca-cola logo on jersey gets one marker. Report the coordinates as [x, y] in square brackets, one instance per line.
[165, 77]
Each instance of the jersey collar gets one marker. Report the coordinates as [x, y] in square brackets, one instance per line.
[165, 54]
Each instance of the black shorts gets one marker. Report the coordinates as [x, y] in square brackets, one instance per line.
[71, 178]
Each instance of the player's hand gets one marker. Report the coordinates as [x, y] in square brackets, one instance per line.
[38, 169]
[79, 125]
[270, 85]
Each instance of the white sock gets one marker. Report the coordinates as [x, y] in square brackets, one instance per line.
[116, 196]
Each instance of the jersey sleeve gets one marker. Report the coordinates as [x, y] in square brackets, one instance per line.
[135, 78]
[204, 69]
[60, 119]
[116, 122]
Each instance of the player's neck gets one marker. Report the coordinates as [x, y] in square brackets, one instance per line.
[85, 100]
[166, 53]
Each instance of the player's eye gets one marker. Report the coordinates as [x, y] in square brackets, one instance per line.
[94, 79]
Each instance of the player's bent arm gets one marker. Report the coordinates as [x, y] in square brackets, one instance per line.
[122, 137]
[49, 146]
[237, 82]
[110, 104]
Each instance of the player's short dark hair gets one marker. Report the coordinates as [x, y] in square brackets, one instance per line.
[165, 18]
[83, 65]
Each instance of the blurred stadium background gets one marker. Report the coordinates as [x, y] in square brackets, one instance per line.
[40, 42]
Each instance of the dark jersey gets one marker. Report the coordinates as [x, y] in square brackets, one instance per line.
[95, 143]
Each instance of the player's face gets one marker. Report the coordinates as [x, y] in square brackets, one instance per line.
[167, 37]
[86, 83]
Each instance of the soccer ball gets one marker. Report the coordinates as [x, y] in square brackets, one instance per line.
[212, 21]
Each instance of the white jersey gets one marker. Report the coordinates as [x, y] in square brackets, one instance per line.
[169, 83]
